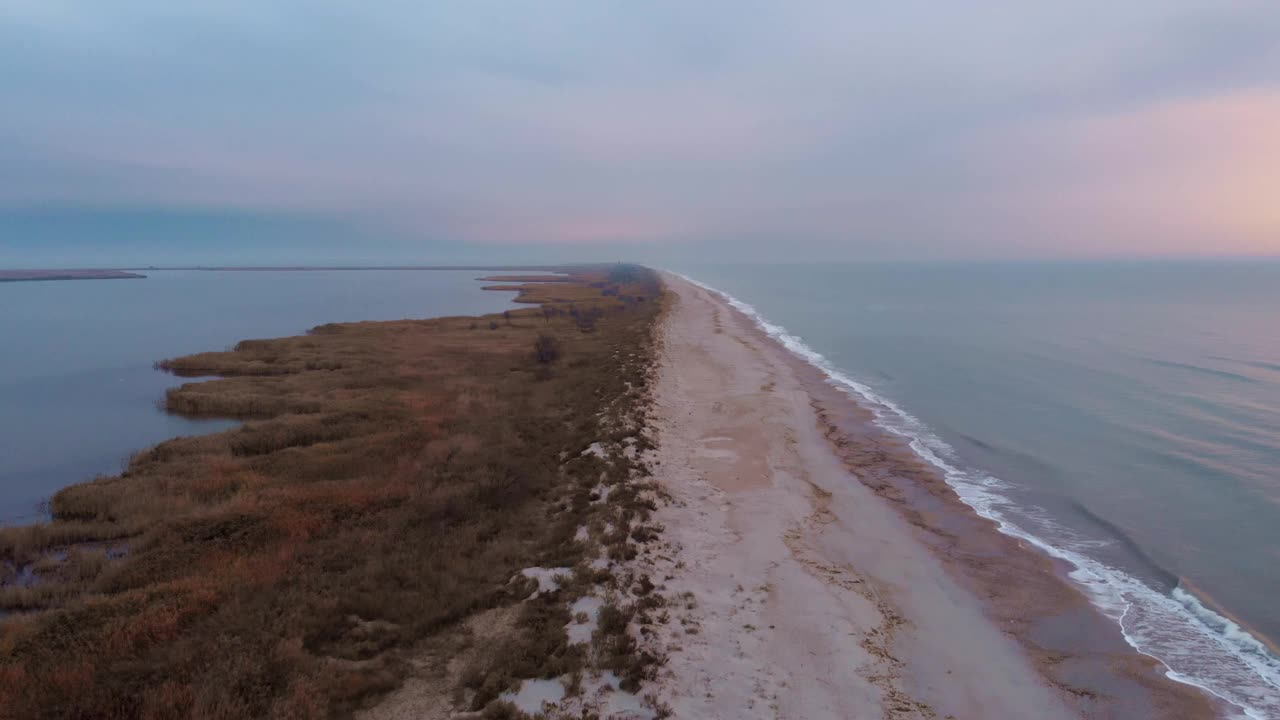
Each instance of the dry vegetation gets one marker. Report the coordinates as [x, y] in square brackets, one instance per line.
[526, 278]
[390, 481]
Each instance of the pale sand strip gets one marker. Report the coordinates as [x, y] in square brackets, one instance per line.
[809, 596]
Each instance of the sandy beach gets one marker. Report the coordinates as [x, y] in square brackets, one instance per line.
[822, 575]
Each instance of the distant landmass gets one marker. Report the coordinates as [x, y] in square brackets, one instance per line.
[314, 268]
[32, 275]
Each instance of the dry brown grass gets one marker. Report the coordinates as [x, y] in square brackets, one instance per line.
[390, 479]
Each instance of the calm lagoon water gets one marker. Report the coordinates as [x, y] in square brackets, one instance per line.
[77, 390]
[1124, 417]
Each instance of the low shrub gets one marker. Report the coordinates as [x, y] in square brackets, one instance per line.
[546, 349]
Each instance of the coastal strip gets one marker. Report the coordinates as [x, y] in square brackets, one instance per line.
[623, 499]
[38, 275]
[833, 573]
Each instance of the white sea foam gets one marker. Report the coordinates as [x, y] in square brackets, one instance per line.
[1197, 646]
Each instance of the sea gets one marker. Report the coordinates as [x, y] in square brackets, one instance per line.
[1121, 417]
[78, 393]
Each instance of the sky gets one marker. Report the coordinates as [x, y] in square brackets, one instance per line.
[153, 132]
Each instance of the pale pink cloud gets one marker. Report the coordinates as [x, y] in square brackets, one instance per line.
[1194, 176]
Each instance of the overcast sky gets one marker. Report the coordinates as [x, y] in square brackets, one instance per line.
[407, 131]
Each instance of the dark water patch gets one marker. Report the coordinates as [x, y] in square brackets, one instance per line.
[1202, 369]
[975, 442]
[1006, 457]
[1261, 365]
[1164, 579]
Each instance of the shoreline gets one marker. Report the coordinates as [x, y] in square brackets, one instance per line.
[1073, 645]
[1211, 603]
[1058, 636]
[1182, 634]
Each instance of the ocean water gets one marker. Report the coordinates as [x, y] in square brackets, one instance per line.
[1124, 418]
[77, 390]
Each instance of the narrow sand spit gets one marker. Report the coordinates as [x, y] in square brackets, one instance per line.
[797, 592]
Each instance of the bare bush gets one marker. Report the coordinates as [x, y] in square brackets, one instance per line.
[546, 349]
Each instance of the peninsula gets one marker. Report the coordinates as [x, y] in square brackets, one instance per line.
[620, 500]
[33, 275]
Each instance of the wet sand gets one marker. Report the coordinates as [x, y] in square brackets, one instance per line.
[826, 572]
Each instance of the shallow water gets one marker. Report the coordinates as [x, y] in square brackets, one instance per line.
[1124, 417]
[77, 390]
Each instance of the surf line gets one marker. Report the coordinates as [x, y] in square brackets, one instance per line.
[1196, 645]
